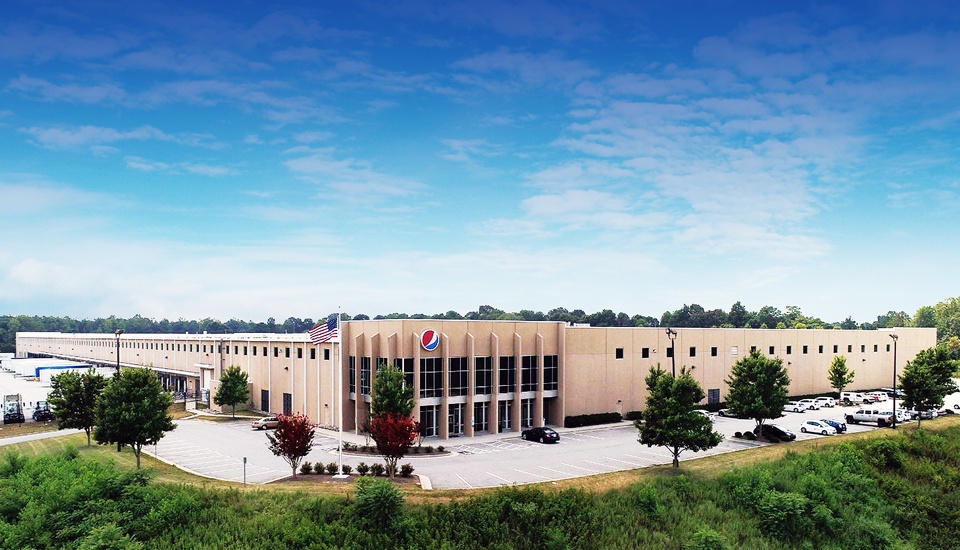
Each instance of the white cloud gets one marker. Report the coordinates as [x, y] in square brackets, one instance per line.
[350, 178]
[529, 69]
[82, 136]
[464, 150]
[67, 92]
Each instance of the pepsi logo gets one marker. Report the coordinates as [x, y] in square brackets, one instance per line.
[430, 339]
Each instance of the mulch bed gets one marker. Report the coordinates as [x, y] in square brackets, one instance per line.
[325, 478]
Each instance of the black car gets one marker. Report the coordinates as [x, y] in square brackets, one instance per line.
[43, 414]
[543, 435]
[840, 426]
[772, 430]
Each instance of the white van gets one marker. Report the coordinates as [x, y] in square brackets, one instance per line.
[854, 398]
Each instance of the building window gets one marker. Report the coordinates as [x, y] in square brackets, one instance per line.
[819, 349]
[235, 350]
[529, 373]
[753, 349]
[299, 353]
[286, 353]
[875, 348]
[431, 377]
[645, 353]
[244, 350]
[326, 354]
[789, 350]
[836, 348]
[670, 351]
[365, 375]
[849, 348]
[406, 365]
[771, 352]
[693, 351]
[508, 374]
[265, 400]
[714, 351]
[863, 348]
[619, 353]
[276, 351]
[313, 353]
[459, 376]
[551, 372]
[482, 375]
[353, 374]
[287, 404]
[804, 350]
[888, 347]
[254, 350]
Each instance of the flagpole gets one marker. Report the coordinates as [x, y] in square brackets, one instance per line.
[339, 343]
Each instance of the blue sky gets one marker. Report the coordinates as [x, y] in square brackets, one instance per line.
[256, 159]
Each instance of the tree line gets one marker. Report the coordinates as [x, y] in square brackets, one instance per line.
[945, 316]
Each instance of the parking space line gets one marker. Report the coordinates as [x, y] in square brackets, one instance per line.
[618, 460]
[465, 482]
[581, 468]
[531, 474]
[498, 477]
[554, 471]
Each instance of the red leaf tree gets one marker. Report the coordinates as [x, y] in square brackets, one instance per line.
[393, 433]
[293, 439]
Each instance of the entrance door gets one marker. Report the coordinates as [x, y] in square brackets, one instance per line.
[455, 420]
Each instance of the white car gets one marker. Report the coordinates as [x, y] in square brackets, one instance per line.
[810, 404]
[705, 413]
[826, 402]
[818, 427]
[794, 406]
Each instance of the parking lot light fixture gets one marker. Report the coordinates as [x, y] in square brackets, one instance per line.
[672, 335]
[894, 398]
[118, 333]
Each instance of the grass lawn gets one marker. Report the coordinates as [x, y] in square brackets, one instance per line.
[707, 467]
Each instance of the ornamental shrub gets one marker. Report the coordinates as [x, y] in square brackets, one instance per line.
[306, 468]
[347, 469]
[377, 469]
[332, 468]
[406, 470]
[319, 467]
[363, 469]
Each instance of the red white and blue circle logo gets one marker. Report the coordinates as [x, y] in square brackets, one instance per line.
[430, 339]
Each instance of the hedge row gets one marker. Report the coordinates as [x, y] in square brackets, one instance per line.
[591, 419]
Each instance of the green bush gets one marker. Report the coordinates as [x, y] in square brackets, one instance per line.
[633, 415]
[347, 469]
[319, 468]
[363, 469]
[406, 470]
[440, 448]
[377, 469]
[379, 503]
[707, 539]
[591, 419]
[332, 468]
[783, 514]
[306, 468]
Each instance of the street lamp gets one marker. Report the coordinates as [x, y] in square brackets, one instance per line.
[118, 333]
[672, 335]
[894, 336]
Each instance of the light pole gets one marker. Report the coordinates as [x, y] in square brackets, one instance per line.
[894, 399]
[672, 335]
[118, 333]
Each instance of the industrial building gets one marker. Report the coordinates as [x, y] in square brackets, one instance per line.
[473, 377]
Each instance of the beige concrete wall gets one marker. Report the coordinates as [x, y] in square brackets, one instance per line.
[591, 377]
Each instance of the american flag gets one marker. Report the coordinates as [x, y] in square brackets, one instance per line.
[324, 332]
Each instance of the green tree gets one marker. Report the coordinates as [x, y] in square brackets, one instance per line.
[670, 420]
[926, 316]
[73, 397]
[233, 388]
[839, 375]
[928, 379]
[293, 439]
[391, 426]
[758, 387]
[948, 319]
[132, 410]
[390, 393]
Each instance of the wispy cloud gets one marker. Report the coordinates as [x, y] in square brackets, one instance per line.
[527, 69]
[349, 178]
[48, 91]
[83, 136]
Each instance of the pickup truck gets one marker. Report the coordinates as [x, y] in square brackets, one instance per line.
[869, 416]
